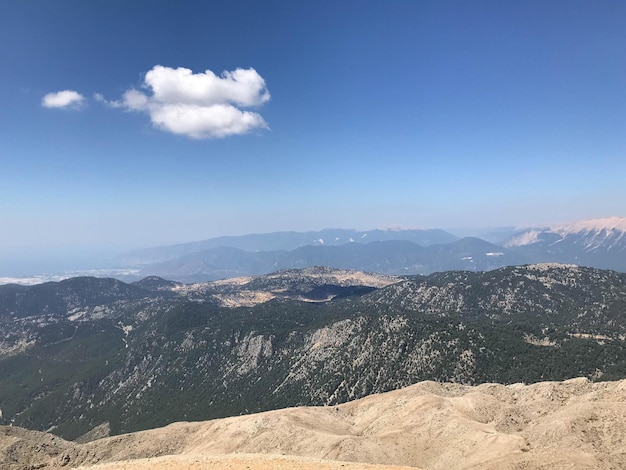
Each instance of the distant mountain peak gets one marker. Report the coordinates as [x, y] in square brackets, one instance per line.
[395, 228]
[596, 232]
[607, 224]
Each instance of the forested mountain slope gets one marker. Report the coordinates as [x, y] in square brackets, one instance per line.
[140, 356]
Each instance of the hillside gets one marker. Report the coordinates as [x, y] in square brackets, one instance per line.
[573, 424]
[306, 337]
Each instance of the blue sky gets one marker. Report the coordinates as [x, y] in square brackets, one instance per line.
[360, 114]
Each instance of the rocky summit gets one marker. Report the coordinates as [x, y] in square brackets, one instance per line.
[575, 424]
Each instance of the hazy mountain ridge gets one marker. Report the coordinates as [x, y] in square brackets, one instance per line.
[396, 257]
[124, 362]
[599, 243]
[287, 241]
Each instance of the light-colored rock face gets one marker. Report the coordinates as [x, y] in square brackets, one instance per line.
[574, 424]
[248, 291]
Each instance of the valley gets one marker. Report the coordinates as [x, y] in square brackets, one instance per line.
[312, 235]
[400, 364]
[88, 352]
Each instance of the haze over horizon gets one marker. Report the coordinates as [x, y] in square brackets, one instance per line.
[130, 125]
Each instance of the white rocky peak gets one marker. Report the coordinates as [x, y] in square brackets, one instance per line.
[525, 238]
[394, 228]
[608, 224]
[595, 231]
[550, 266]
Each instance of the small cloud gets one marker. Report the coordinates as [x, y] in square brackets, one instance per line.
[132, 100]
[198, 105]
[63, 99]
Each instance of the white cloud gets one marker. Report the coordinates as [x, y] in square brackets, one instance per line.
[201, 105]
[63, 99]
[240, 87]
[218, 120]
[135, 100]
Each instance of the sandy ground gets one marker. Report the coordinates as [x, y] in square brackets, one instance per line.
[237, 462]
[551, 425]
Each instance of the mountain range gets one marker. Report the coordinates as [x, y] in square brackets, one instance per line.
[87, 353]
[599, 243]
[286, 241]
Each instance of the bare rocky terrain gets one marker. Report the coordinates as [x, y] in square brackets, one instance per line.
[575, 424]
